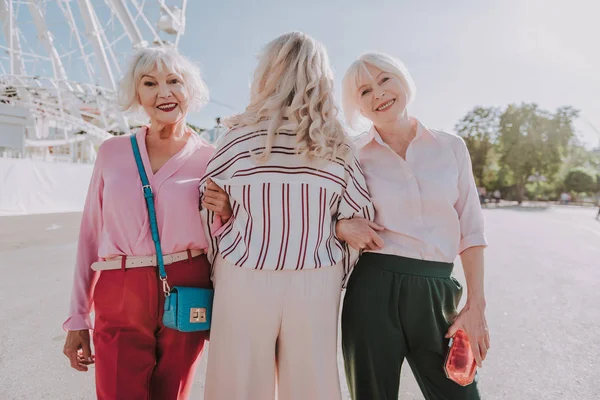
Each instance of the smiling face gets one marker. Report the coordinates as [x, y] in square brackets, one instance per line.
[381, 96]
[163, 95]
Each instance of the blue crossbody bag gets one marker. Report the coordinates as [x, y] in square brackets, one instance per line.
[187, 309]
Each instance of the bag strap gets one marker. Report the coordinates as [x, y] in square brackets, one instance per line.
[149, 196]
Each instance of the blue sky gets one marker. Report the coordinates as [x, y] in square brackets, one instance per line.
[461, 53]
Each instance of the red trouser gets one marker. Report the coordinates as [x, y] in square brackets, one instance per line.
[136, 356]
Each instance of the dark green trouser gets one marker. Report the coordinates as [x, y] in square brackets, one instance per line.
[396, 308]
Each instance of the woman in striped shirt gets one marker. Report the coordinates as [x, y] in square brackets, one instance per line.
[290, 174]
[401, 300]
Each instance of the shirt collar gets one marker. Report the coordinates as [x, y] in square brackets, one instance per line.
[373, 135]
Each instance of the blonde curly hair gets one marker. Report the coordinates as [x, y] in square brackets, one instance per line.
[293, 80]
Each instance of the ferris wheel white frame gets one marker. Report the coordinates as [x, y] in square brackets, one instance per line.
[58, 98]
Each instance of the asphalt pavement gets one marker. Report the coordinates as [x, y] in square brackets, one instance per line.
[543, 307]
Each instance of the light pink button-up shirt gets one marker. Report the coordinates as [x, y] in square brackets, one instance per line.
[427, 203]
[115, 218]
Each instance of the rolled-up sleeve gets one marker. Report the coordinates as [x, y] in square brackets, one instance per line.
[355, 202]
[468, 206]
[216, 168]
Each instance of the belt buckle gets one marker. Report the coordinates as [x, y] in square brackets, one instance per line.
[197, 315]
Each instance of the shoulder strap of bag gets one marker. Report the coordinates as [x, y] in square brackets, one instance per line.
[149, 196]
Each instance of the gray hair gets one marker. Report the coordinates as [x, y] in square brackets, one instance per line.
[358, 70]
[145, 61]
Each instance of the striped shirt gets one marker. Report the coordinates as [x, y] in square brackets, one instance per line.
[285, 209]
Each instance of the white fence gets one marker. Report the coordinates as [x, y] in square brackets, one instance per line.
[30, 186]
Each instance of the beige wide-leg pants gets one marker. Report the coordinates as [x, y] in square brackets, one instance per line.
[274, 331]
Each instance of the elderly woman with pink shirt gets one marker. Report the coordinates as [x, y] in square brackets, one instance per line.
[137, 357]
[401, 301]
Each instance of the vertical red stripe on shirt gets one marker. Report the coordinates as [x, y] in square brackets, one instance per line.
[283, 221]
[287, 234]
[322, 205]
[302, 235]
[332, 202]
[267, 228]
[234, 213]
[264, 230]
[333, 199]
[307, 225]
[302, 242]
[329, 240]
[251, 225]
[248, 230]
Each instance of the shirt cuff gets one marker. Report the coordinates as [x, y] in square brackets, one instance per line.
[476, 239]
[217, 227]
[78, 322]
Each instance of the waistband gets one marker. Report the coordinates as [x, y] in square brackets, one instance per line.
[408, 266]
[123, 262]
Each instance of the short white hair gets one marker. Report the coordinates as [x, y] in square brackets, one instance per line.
[146, 60]
[358, 71]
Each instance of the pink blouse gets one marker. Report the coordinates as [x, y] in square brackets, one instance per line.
[115, 218]
[427, 203]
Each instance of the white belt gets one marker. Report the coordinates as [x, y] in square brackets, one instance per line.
[142, 261]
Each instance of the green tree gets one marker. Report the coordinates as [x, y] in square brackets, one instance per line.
[533, 141]
[580, 180]
[578, 156]
[479, 129]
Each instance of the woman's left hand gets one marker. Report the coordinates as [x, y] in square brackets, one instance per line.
[359, 233]
[217, 200]
[471, 320]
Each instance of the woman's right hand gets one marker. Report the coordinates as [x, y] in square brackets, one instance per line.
[359, 233]
[217, 200]
[78, 349]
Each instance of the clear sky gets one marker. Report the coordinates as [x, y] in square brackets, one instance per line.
[461, 53]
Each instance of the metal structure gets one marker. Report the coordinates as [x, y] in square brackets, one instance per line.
[60, 61]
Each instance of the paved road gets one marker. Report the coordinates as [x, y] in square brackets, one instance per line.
[543, 289]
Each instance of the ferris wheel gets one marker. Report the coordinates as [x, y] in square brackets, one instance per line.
[60, 62]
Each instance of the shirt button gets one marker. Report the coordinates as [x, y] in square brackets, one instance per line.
[410, 176]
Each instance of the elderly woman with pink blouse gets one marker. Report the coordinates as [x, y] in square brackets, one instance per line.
[137, 357]
[401, 301]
